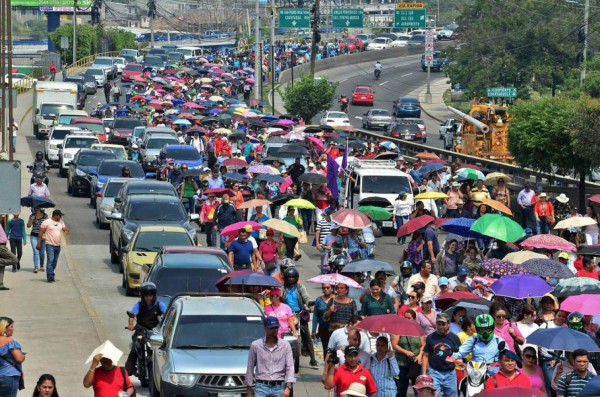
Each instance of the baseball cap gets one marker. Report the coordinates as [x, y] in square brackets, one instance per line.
[270, 232]
[442, 318]
[419, 285]
[424, 382]
[563, 255]
[270, 322]
[443, 281]
[351, 350]
[462, 271]
[275, 291]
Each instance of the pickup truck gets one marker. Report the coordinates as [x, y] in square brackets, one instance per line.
[108, 64]
[131, 52]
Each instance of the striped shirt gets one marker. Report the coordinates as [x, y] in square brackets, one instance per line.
[39, 190]
[324, 227]
[575, 386]
[383, 373]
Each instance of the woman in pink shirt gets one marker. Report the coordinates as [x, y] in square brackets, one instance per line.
[282, 312]
[504, 327]
[270, 251]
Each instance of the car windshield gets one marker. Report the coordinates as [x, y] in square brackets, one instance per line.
[119, 151]
[128, 52]
[48, 109]
[146, 211]
[159, 143]
[89, 78]
[79, 143]
[150, 188]
[112, 189]
[103, 61]
[135, 68]
[113, 168]
[183, 154]
[216, 332]
[94, 72]
[172, 281]
[127, 123]
[154, 60]
[417, 37]
[337, 115]
[154, 241]
[97, 129]
[59, 134]
[185, 52]
[382, 41]
[381, 112]
[88, 160]
[348, 41]
[137, 132]
[382, 184]
[362, 90]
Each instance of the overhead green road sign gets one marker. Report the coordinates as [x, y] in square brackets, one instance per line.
[410, 18]
[347, 17]
[502, 92]
[50, 3]
[294, 18]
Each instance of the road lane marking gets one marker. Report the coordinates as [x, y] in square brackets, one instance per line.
[385, 82]
[407, 74]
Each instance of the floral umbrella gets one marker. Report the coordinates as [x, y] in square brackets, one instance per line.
[547, 268]
[548, 241]
[497, 268]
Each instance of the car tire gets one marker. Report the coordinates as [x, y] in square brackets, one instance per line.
[128, 292]
[69, 188]
[114, 258]
[120, 261]
[62, 172]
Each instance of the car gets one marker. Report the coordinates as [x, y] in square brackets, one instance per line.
[135, 187]
[81, 90]
[416, 40]
[391, 36]
[363, 94]
[105, 200]
[56, 137]
[408, 132]
[154, 62]
[451, 133]
[366, 38]
[445, 34]
[98, 74]
[348, 45]
[121, 130]
[20, 78]
[141, 210]
[78, 174]
[120, 62]
[150, 149]
[110, 168]
[90, 83]
[131, 70]
[419, 122]
[149, 131]
[108, 65]
[145, 244]
[129, 52]
[376, 118]
[380, 43]
[184, 154]
[118, 150]
[91, 124]
[437, 64]
[445, 126]
[408, 106]
[70, 146]
[335, 119]
[135, 136]
[401, 41]
[202, 346]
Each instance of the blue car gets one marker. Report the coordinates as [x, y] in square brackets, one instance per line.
[408, 106]
[184, 154]
[112, 168]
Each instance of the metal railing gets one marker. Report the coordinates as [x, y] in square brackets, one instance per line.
[84, 63]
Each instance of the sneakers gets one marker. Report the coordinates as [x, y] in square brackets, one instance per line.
[297, 258]
[42, 269]
[35, 270]
[51, 279]
[314, 364]
[3, 288]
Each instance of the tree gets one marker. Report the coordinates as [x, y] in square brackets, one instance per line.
[122, 39]
[86, 41]
[309, 96]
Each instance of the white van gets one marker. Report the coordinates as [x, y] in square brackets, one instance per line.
[190, 52]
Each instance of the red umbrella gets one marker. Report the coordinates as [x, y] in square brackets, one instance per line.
[511, 391]
[193, 105]
[548, 241]
[278, 133]
[220, 284]
[136, 98]
[391, 324]
[235, 163]
[595, 198]
[351, 219]
[440, 221]
[446, 299]
[219, 191]
[414, 224]
[436, 161]
[186, 116]
[471, 166]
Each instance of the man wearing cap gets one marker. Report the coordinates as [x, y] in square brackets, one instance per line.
[439, 346]
[563, 258]
[424, 386]
[52, 230]
[350, 372]
[7, 258]
[270, 368]
[525, 201]
[295, 170]
[429, 280]
[508, 376]
[242, 253]
[461, 278]
[461, 211]
[287, 180]
[443, 284]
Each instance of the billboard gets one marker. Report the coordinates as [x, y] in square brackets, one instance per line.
[50, 3]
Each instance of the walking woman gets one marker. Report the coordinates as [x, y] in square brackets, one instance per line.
[409, 354]
[11, 359]
[320, 326]
[289, 240]
[45, 387]
[270, 252]
[188, 190]
[17, 237]
[34, 222]
[377, 302]
[340, 308]
[591, 231]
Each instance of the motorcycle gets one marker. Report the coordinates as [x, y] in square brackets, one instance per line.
[141, 344]
[344, 106]
[36, 174]
[377, 74]
[474, 382]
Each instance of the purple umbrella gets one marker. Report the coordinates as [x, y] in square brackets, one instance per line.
[259, 169]
[285, 122]
[520, 286]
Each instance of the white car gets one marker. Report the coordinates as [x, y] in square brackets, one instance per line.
[120, 62]
[71, 145]
[401, 41]
[445, 34]
[56, 137]
[379, 43]
[335, 119]
[18, 77]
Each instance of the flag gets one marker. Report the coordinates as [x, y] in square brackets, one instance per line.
[345, 158]
[332, 175]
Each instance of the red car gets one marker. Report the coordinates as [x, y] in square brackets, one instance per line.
[131, 70]
[363, 94]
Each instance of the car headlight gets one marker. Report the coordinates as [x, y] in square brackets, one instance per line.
[78, 172]
[116, 133]
[52, 146]
[128, 234]
[184, 380]
[68, 155]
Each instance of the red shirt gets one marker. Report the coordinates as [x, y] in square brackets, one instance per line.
[343, 377]
[109, 383]
[583, 273]
[519, 380]
[578, 263]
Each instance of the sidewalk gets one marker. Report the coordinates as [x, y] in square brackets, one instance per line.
[437, 109]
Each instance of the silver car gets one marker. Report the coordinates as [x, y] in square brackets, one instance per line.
[377, 118]
[151, 147]
[105, 200]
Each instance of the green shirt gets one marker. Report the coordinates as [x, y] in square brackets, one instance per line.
[292, 220]
[411, 343]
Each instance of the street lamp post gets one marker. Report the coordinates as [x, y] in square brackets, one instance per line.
[257, 55]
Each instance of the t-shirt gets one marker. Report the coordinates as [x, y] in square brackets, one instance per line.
[283, 314]
[439, 347]
[323, 226]
[109, 383]
[242, 252]
[519, 380]
[343, 377]
[53, 234]
[430, 235]
[268, 250]
[583, 273]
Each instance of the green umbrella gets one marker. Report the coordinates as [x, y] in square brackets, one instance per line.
[376, 213]
[255, 111]
[498, 227]
[224, 116]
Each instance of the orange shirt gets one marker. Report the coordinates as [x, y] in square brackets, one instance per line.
[583, 273]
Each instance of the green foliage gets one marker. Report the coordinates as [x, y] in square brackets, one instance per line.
[118, 39]
[309, 96]
[86, 41]
[584, 128]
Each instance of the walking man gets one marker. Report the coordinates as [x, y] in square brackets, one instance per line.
[7, 258]
[270, 369]
[570, 384]
[107, 88]
[52, 229]
[524, 199]
[52, 71]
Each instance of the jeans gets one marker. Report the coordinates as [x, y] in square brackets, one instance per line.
[542, 226]
[445, 382]
[211, 234]
[52, 251]
[591, 238]
[307, 217]
[38, 255]
[548, 372]
[262, 390]
[400, 220]
[9, 386]
[324, 269]
[271, 272]
[222, 241]
[528, 215]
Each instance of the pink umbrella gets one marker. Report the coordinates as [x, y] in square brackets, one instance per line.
[233, 229]
[186, 116]
[586, 304]
[203, 60]
[351, 219]
[249, 114]
[316, 141]
[250, 81]
[284, 122]
[293, 135]
[334, 279]
[155, 102]
[548, 241]
[193, 105]
[219, 71]
[227, 75]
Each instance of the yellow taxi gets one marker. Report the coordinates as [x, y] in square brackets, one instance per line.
[146, 242]
[118, 150]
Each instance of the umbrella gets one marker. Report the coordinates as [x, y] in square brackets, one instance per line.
[469, 173]
[35, 201]
[545, 267]
[586, 304]
[447, 299]
[562, 338]
[512, 391]
[522, 256]
[576, 286]
[334, 279]
[589, 250]
[281, 226]
[300, 203]
[294, 136]
[234, 228]
[497, 205]
[293, 149]
[499, 268]
[389, 145]
[498, 227]
[492, 178]
[234, 176]
[376, 213]
[575, 221]
[521, 286]
[427, 156]
[223, 131]
[218, 191]
[254, 203]
[391, 324]
[368, 265]
[462, 227]
[271, 160]
[282, 198]
[431, 195]
[548, 241]
[235, 163]
[591, 389]
[316, 141]
[182, 122]
[259, 169]
[473, 307]
[414, 224]
[271, 178]
[254, 278]
[220, 284]
[313, 178]
[429, 168]
[350, 218]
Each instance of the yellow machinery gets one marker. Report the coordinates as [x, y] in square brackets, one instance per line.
[484, 132]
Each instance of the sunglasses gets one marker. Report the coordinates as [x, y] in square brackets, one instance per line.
[413, 297]
[325, 288]
[531, 356]
[500, 316]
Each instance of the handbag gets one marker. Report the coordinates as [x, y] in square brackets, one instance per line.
[303, 239]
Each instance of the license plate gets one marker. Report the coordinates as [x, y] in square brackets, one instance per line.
[228, 395]
[388, 224]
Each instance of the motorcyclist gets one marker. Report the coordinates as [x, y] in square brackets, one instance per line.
[400, 283]
[147, 314]
[485, 346]
[125, 172]
[576, 321]
[39, 166]
[378, 68]
[344, 101]
[135, 153]
[337, 257]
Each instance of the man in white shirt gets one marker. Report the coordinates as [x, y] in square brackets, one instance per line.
[460, 278]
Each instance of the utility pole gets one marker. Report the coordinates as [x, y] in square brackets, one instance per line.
[257, 55]
[272, 56]
[315, 37]
[11, 127]
[74, 32]
[152, 15]
[586, 17]
[2, 75]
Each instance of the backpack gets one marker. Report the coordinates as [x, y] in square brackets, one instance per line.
[123, 374]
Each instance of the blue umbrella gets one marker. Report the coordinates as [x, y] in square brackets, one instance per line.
[521, 286]
[254, 279]
[35, 201]
[462, 227]
[562, 338]
[271, 178]
[592, 389]
[433, 167]
[182, 122]
[234, 176]
[178, 101]
[214, 111]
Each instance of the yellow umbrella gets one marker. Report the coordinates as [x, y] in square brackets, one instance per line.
[215, 98]
[223, 131]
[300, 203]
[492, 178]
[497, 205]
[522, 256]
[282, 226]
[575, 221]
[205, 80]
[431, 195]
[274, 171]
